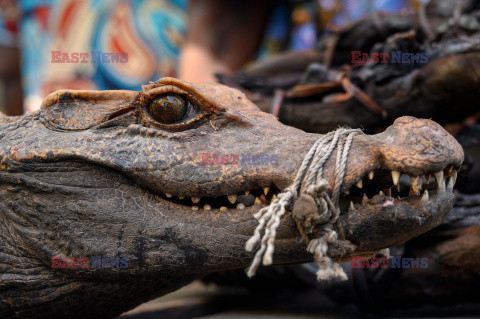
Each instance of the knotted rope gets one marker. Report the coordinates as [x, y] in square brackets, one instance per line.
[313, 209]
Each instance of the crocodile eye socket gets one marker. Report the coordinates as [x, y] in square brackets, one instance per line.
[168, 108]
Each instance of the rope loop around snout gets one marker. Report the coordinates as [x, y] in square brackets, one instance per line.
[314, 211]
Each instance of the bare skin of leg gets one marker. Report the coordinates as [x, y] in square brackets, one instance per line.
[221, 37]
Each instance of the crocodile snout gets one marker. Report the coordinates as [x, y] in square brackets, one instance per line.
[418, 146]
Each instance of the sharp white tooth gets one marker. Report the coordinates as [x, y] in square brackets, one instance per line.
[232, 199]
[381, 193]
[425, 197]
[181, 197]
[365, 199]
[168, 195]
[240, 206]
[257, 200]
[450, 184]
[438, 177]
[223, 208]
[440, 181]
[454, 176]
[360, 184]
[207, 207]
[266, 190]
[396, 177]
[195, 200]
[247, 193]
[352, 207]
[416, 184]
[371, 175]
[194, 207]
[427, 178]
[449, 170]
[442, 189]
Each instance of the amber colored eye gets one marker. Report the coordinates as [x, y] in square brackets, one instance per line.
[169, 108]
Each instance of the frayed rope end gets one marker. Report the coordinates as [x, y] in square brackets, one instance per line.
[334, 272]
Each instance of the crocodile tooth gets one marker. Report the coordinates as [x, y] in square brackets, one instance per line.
[195, 200]
[449, 170]
[240, 206]
[440, 181]
[247, 192]
[168, 195]
[223, 208]
[257, 200]
[207, 207]
[194, 207]
[365, 199]
[232, 198]
[427, 178]
[396, 177]
[454, 176]
[450, 184]
[266, 190]
[371, 175]
[388, 203]
[381, 193]
[264, 200]
[360, 184]
[416, 184]
[352, 207]
[425, 197]
[181, 197]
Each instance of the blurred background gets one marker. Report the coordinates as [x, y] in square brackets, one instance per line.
[192, 40]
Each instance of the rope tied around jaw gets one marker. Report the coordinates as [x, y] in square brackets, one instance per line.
[314, 211]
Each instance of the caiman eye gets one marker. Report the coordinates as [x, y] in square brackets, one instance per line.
[172, 105]
[168, 108]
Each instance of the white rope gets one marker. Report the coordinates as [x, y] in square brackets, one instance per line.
[310, 184]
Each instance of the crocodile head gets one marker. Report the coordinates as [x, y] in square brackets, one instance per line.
[169, 178]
